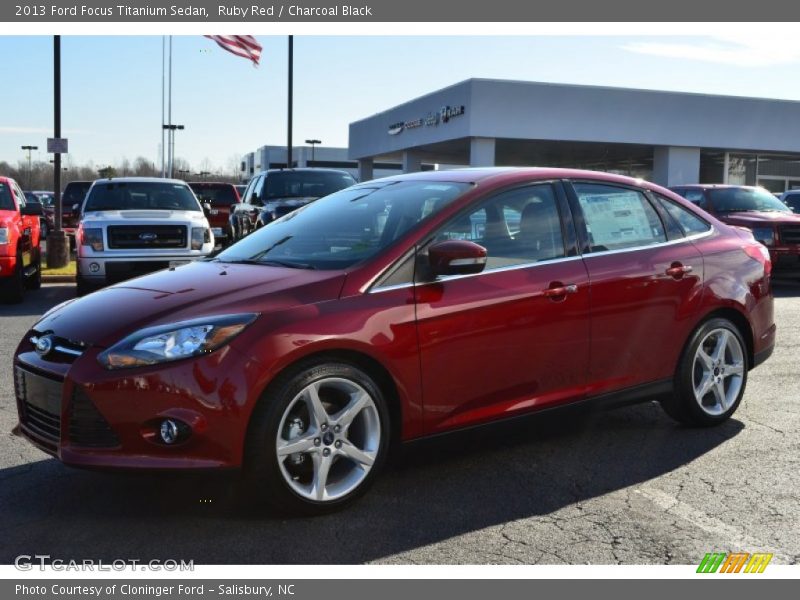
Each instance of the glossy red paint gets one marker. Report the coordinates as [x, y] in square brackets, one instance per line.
[449, 353]
[23, 232]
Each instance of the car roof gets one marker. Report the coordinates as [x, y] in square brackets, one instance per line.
[306, 170]
[714, 186]
[138, 180]
[512, 174]
[210, 183]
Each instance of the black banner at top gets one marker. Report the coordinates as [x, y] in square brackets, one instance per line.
[366, 11]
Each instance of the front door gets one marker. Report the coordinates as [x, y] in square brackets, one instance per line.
[514, 337]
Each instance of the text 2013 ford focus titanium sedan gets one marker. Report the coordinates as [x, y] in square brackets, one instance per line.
[396, 309]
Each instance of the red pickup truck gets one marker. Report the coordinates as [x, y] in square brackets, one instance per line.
[20, 253]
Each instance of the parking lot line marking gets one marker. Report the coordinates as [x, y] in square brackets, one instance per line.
[729, 535]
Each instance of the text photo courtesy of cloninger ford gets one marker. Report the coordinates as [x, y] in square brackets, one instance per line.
[306, 299]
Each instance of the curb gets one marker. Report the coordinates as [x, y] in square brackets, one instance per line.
[58, 278]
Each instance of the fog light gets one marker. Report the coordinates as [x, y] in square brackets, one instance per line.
[94, 268]
[173, 431]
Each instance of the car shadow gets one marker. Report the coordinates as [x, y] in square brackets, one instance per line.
[786, 287]
[430, 492]
[37, 302]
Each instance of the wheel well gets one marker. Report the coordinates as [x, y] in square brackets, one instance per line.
[372, 367]
[742, 325]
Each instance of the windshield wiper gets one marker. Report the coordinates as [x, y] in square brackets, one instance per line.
[268, 262]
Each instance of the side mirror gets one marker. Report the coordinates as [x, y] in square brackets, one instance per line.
[456, 257]
[76, 207]
[33, 209]
[206, 207]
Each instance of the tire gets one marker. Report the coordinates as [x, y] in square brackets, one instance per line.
[335, 447]
[711, 377]
[13, 288]
[34, 282]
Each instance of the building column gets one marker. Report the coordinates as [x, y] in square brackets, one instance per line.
[365, 167]
[675, 165]
[302, 158]
[481, 152]
[412, 162]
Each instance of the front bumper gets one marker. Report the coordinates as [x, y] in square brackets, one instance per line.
[85, 416]
[99, 270]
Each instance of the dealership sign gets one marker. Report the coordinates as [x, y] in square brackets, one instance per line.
[431, 119]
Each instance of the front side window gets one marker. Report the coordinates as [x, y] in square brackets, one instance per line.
[617, 217]
[6, 201]
[347, 227]
[138, 195]
[516, 227]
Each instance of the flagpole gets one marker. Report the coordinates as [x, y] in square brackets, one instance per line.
[171, 134]
[289, 123]
[163, 76]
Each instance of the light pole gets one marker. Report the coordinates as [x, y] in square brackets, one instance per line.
[183, 173]
[171, 143]
[313, 143]
[30, 168]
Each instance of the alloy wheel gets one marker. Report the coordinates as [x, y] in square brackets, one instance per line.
[718, 371]
[328, 439]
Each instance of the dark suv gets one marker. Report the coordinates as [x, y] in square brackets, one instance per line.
[277, 192]
[771, 221]
[71, 200]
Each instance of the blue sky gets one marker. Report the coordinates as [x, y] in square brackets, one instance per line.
[112, 85]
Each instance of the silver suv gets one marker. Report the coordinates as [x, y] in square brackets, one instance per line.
[131, 226]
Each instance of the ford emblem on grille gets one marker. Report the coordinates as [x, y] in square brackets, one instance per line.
[44, 345]
[148, 236]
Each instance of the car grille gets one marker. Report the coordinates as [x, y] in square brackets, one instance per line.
[39, 401]
[790, 234]
[87, 427]
[124, 237]
[63, 350]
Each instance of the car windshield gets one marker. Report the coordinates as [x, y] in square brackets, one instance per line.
[74, 193]
[793, 202]
[216, 195]
[139, 195]
[6, 201]
[346, 227]
[744, 199]
[305, 184]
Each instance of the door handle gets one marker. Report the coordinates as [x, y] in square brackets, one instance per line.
[678, 270]
[560, 291]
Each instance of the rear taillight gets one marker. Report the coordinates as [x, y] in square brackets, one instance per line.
[760, 253]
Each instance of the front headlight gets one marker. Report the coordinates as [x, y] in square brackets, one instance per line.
[200, 236]
[92, 237]
[3, 235]
[166, 343]
[765, 235]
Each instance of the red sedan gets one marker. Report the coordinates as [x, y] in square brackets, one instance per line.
[396, 309]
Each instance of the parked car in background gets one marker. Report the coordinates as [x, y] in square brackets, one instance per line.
[277, 192]
[792, 200]
[221, 197]
[771, 221]
[20, 235]
[241, 188]
[71, 200]
[47, 200]
[380, 314]
[135, 225]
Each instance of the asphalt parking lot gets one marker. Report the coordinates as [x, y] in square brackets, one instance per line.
[628, 486]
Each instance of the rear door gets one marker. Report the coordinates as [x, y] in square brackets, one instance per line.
[515, 337]
[646, 284]
[29, 229]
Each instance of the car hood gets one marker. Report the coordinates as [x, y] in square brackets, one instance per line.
[759, 218]
[195, 290]
[121, 216]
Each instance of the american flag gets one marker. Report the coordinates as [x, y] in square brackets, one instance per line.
[245, 46]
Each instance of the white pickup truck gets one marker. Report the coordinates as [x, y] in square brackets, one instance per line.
[130, 226]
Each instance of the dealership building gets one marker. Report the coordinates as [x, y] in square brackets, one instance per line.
[667, 137]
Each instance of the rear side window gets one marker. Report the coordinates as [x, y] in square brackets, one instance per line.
[618, 218]
[689, 222]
